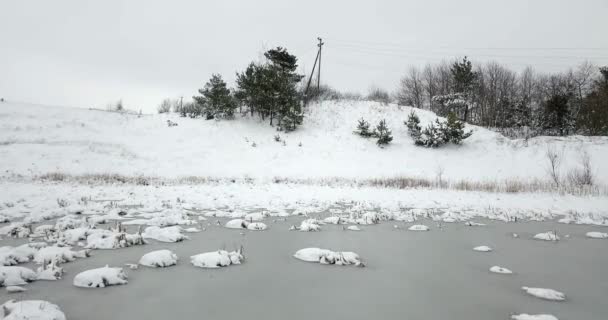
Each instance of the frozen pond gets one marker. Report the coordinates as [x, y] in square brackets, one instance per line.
[409, 275]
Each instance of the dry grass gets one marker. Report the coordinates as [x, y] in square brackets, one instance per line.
[401, 182]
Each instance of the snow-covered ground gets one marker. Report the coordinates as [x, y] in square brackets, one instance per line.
[56, 229]
[36, 140]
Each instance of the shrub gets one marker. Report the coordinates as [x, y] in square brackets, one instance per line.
[363, 128]
[413, 127]
[582, 176]
[438, 133]
[165, 106]
[383, 133]
[379, 95]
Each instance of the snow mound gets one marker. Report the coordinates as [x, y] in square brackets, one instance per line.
[237, 224]
[353, 228]
[15, 289]
[525, 316]
[58, 254]
[107, 239]
[10, 256]
[418, 227]
[597, 235]
[257, 226]
[307, 225]
[482, 249]
[167, 234]
[31, 309]
[547, 236]
[49, 272]
[497, 269]
[159, 258]
[100, 277]
[325, 256]
[217, 259]
[335, 220]
[16, 276]
[547, 294]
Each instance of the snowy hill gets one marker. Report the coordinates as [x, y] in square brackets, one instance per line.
[35, 140]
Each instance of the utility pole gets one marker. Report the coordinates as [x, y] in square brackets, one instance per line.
[320, 45]
[318, 58]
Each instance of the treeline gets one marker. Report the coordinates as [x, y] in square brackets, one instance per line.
[491, 95]
[268, 90]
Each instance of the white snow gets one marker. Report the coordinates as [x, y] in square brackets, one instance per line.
[106, 239]
[308, 225]
[15, 289]
[10, 256]
[100, 277]
[257, 226]
[59, 254]
[482, 249]
[497, 269]
[106, 142]
[547, 236]
[325, 256]
[353, 228]
[547, 294]
[31, 309]
[167, 234]
[418, 227]
[16, 276]
[525, 316]
[597, 235]
[237, 224]
[159, 258]
[216, 259]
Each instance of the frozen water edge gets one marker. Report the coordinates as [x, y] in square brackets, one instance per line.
[38, 200]
[389, 279]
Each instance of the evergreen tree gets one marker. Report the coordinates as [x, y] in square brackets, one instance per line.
[383, 133]
[216, 99]
[556, 115]
[413, 128]
[270, 89]
[460, 99]
[593, 116]
[454, 130]
[363, 128]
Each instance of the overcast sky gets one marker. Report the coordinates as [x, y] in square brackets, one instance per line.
[90, 53]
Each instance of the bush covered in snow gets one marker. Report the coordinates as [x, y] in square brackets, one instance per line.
[159, 258]
[16, 276]
[167, 234]
[100, 277]
[217, 259]
[325, 256]
[30, 310]
[547, 294]
[438, 133]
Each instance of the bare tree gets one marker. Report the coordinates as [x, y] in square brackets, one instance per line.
[411, 91]
[553, 169]
[582, 176]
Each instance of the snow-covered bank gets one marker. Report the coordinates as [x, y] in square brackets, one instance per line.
[38, 201]
[79, 141]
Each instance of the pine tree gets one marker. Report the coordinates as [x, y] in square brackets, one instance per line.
[454, 130]
[556, 114]
[363, 128]
[216, 99]
[593, 117]
[383, 133]
[413, 128]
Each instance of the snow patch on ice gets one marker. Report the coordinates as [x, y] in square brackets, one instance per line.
[597, 235]
[482, 249]
[418, 227]
[525, 316]
[325, 256]
[159, 258]
[31, 309]
[100, 277]
[547, 294]
[217, 259]
[497, 269]
[547, 236]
